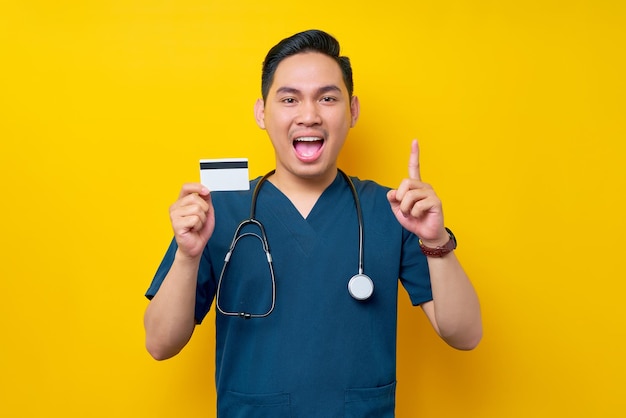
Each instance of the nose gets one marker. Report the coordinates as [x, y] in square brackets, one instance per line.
[308, 114]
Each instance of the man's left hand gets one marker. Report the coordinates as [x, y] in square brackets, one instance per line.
[416, 205]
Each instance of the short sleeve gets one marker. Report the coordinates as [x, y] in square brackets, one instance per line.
[414, 273]
[205, 287]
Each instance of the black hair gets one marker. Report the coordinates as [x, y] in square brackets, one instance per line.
[307, 41]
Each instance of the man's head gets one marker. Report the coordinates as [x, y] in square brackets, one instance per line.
[307, 41]
[307, 107]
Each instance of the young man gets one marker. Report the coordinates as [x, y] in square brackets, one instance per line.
[296, 336]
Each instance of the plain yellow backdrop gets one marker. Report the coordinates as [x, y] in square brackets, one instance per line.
[106, 107]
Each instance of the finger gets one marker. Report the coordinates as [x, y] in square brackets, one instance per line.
[407, 185]
[190, 188]
[391, 197]
[192, 200]
[422, 197]
[188, 211]
[414, 161]
[422, 207]
[188, 223]
[416, 197]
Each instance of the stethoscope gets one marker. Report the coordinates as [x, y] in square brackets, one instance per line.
[360, 286]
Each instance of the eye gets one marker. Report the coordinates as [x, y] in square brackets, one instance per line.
[328, 99]
[288, 100]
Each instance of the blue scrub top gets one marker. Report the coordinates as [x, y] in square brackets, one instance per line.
[320, 353]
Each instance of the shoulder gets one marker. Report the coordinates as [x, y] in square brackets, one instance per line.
[373, 197]
[369, 188]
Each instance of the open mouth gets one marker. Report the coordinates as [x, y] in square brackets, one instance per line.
[308, 147]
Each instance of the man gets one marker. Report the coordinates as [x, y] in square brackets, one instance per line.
[312, 346]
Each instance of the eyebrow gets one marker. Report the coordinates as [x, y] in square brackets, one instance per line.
[321, 90]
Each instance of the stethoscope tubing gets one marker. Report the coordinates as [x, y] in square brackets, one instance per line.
[266, 249]
[360, 285]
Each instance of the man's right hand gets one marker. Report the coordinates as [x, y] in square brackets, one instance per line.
[193, 219]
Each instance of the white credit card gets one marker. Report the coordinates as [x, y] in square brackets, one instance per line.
[225, 174]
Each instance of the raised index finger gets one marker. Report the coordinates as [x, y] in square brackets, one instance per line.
[414, 161]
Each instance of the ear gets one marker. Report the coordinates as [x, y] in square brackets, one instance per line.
[355, 108]
[259, 113]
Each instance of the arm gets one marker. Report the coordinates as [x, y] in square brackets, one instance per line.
[169, 319]
[454, 311]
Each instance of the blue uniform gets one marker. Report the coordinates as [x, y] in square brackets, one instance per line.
[321, 353]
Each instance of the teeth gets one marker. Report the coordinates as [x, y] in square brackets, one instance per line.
[308, 139]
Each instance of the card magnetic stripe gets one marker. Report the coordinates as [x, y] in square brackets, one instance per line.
[223, 165]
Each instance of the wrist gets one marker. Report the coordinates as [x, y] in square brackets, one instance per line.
[441, 239]
[435, 243]
[181, 258]
[439, 247]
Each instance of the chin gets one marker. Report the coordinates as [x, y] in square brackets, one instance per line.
[315, 171]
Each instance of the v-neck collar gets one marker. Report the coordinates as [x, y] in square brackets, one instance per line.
[286, 205]
[303, 230]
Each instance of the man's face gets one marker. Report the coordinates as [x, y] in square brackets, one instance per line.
[307, 115]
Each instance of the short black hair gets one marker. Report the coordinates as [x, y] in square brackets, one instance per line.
[308, 41]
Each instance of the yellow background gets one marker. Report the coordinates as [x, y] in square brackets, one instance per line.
[106, 107]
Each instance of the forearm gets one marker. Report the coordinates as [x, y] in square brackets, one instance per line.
[455, 310]
[169, 319]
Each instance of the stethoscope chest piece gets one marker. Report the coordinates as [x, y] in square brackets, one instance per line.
[360, 286]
